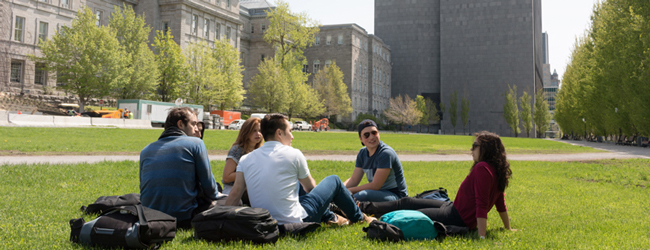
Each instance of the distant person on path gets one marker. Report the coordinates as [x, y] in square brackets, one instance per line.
[380, 164]
[175, 174]
[274, 173]
[248, 139]
[481, 190]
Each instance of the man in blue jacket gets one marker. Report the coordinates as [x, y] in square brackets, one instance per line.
[175, 174]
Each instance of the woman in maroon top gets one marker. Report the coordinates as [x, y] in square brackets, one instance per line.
[482, 189]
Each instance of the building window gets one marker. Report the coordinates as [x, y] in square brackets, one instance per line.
[317, 40]
[228, 4]
[216, 31]
[228, 30]
[365, 46]
[16, 71]
[263, 28]
[329, 40]
[65, 3]
[340, 39]
[40, 76]
[327, 63]
[262, 57]
[305, 68]
[20, 27]
[42, 31]
[98, 15]
[206, 28]
[316, 66]
[252, 28]
[165, 27]
[195, 24]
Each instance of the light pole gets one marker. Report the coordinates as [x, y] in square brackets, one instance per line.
[583, 120]
[470, 126]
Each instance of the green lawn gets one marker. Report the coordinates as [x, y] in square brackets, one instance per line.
[57, 141]
[555, 205]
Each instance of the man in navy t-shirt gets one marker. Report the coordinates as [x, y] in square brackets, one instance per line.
[381, 166]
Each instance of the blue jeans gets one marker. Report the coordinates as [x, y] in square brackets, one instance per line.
[330, 189]
[376, 195]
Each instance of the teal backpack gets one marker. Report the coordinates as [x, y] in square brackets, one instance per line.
[414, 224]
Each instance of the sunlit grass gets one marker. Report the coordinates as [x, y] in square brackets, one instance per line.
[555, 205]
[54, 141]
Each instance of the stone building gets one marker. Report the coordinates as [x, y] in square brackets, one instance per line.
[23, 22]
[474, 48]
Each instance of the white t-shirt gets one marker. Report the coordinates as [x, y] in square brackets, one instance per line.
[271, 173]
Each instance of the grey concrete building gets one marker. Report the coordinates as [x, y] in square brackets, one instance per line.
[23, 22]
[475, 48]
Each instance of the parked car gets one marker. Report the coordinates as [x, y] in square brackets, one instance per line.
[301, 125]
[236, 124]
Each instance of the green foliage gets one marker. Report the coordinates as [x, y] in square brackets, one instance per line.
[268, 89]
[526, 116]
[302, 99]
[106, 141]
[87, 59]
[511, 110]
[464, 111]
[289, 32]
[230, 87]
[421, 105]
[333, 91]
[171, 65]
[432, 111]
[586, 214]
[141, 70]
[453, 107]
[541, 115]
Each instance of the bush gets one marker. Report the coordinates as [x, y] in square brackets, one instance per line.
[245, 117]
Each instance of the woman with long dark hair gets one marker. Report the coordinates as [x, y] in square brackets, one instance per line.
[249, 139]
[482, 189]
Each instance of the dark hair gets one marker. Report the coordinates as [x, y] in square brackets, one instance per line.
[178, 114]
[245, 132]
[492, 151]
[271, 123]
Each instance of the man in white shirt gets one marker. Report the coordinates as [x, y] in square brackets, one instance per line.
[273, 172]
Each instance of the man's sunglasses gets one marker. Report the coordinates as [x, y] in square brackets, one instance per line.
[475, 145]
[367, 134]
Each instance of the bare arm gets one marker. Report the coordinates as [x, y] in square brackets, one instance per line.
[380, 177]
[229, 171]
[506, 221]
[237, 190]
[355, 179]
[481, 224]
[308, 183]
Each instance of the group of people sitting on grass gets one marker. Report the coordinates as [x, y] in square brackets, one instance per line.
[263, 170]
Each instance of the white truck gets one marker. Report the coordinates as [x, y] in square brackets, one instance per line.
[301, 125]
[153, 110]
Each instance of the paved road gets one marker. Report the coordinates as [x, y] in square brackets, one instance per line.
[614, 152]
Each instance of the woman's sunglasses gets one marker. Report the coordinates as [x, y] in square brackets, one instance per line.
[475, 145]
[367, 134]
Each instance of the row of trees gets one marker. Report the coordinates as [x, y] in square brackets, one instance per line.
[606, 81]
[115, 61]
[512, 115]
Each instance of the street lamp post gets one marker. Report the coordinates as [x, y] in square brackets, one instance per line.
[583, 120]
[470, 126]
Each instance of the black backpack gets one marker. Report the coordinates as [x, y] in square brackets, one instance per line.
[435, 194]
[233, 223]
[105, 203]
[131, 226]
[379, 230]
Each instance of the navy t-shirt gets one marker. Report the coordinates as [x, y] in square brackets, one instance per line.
[384, 157]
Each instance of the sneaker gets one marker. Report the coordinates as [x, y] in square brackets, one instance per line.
[339, 221]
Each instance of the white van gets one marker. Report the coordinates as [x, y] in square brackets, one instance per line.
[258, 115]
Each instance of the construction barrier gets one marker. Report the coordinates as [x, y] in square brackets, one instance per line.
[4, 118]
[137, 123]
[31, 120]
[107, 122]
[70, 121]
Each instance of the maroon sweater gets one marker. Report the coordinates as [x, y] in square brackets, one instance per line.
[478, 193]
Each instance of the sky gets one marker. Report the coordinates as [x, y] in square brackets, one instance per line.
[563, 20]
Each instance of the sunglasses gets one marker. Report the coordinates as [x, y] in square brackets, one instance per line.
[367, 134]
[475, 145]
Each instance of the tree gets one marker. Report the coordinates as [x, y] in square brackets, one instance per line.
[421, 105]
[453, 107]
[432, 110]
[203, 79]
[302, 99]
[86, 58]
[526, 116]
[403, 111]
[541, 115]
[333, 91]
[141, 71]
[268, 89]
[230, 87]
[464, 112]
[289, 32]
[511, 110]
[171, 65]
